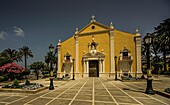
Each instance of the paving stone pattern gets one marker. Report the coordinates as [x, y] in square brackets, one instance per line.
[88, 91]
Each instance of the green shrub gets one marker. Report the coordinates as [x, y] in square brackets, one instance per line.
[46, 75]
[167, 73]
[27, 82]
[26, 72]
[45, 72]
[1, 78]
[15, 82]
[54, 74]
[6, 77]
[18, 76]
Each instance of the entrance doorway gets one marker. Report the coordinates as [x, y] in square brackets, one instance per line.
[94, 68]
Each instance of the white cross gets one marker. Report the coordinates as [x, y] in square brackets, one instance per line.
[93, 18]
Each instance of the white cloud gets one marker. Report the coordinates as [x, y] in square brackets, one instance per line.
[19, 32]
[2, 35]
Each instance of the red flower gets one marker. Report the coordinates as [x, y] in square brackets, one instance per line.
[12, 68]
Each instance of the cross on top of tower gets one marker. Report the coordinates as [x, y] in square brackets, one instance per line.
[93, 18]
[137, 31]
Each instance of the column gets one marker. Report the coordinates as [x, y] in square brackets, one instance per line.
[87, 67]
[59, 56]
[138, 53]
[100, 67]
[103, 66]
[84, 65]
[76, 51]
[112, 64]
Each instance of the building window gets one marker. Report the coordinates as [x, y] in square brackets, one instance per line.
[92, 27]
[125, 54]
[67, 57]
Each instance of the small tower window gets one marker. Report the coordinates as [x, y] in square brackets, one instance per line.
[92, 27]
[67, 57]
[125, 54]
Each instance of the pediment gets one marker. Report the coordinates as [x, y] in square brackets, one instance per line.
[97, 54]
[94, 27]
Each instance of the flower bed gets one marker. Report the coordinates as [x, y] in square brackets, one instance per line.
[26, 87]
[31, 86]
[167, 90]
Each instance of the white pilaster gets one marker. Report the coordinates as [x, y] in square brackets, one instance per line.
[138, 52]
[59, 56]
[77, 51]
[87, 66]
[100, 66]
[103, 66]
[84, 65]
[112, 64]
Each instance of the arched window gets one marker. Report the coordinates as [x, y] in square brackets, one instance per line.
[125, 54]
[67, 57]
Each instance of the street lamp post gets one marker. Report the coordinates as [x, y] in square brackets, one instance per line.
[51, 48]
[115, 68]
[149, 89]
[73, 70]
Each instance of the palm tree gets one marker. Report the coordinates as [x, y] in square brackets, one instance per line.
[10, 52]
[26, 52]
[4, 59]
[163, 36]
[47, 59]
[54, 60]
[13, 54]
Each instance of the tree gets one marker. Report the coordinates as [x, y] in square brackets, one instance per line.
[160, 46]
[36, 66]
[8, 56]
[13, 54]
[10, 52]
[12, 69]
[162, 33]
[4, 59]
[144, 55]
[48, 58]
[155, 53]
[26, 52]
[26, 72]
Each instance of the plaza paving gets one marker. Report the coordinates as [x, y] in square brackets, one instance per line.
[89, 91]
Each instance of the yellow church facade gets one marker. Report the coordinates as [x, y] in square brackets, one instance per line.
[98, 50]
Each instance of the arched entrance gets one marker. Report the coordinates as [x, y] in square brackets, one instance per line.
[93, 61]
[94, 68]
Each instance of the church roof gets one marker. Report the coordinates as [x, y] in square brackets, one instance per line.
[97, 24]
[96, 27]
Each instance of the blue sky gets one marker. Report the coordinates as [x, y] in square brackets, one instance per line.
[38, 23]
